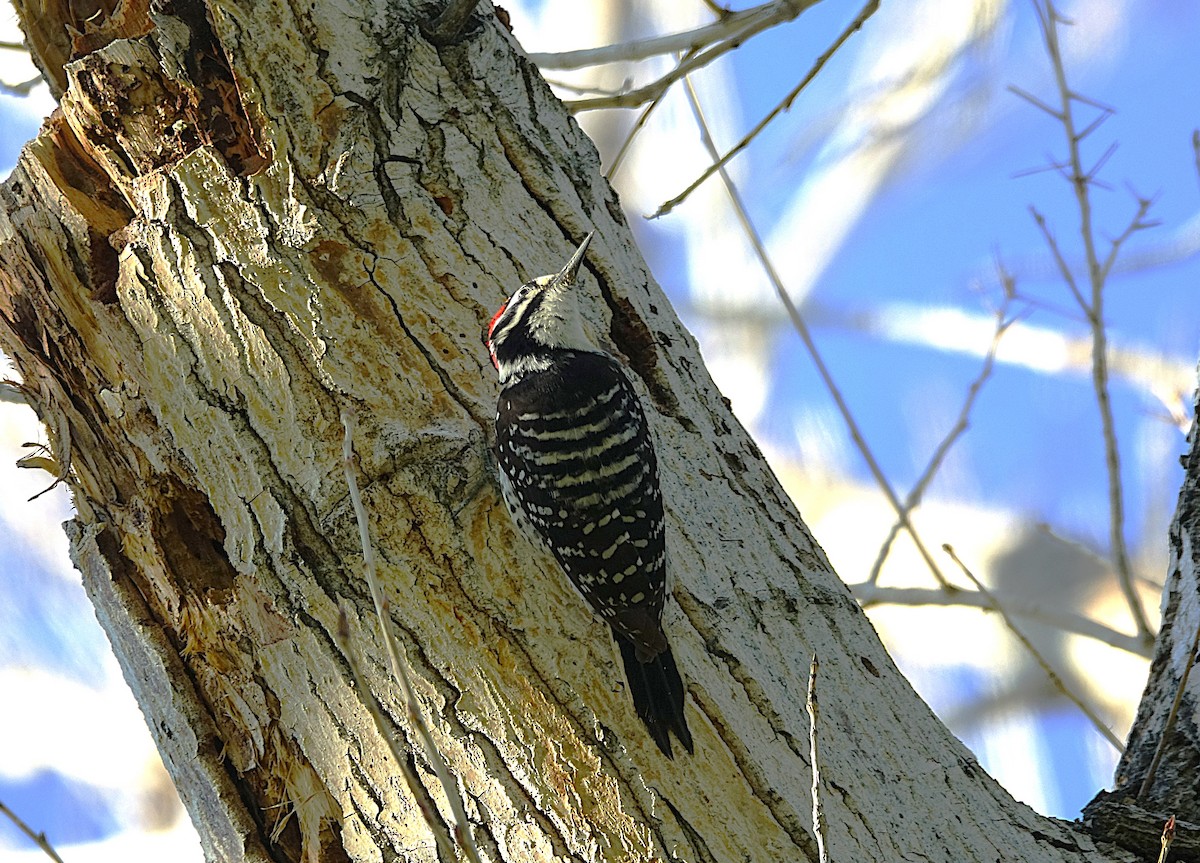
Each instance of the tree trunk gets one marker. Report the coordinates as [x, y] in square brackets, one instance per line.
[247, 217]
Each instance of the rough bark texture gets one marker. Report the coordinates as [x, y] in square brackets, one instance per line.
[247, 216]
[1162, 747]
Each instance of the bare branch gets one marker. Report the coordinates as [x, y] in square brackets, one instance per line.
[820, 828]
[1061, 262]
[633, 133]
[719, 163]
[806, 338]
[1180, 244]
[1050, 165]
[1057, 681]
[733, 28]
[1094, 308]
[1088, 100]
[869, 595]
[1094, 125]
[694, 60]
[1034, 101]
[1090, 176]
[39, 838]
[1171, 717]
[420, 794]
[654, 90]
[1134, 226]
[1003, 322]
[587, 89]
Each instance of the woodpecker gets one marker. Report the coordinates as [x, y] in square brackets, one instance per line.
[577, 463]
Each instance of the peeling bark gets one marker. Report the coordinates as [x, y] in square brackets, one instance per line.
[247, 216]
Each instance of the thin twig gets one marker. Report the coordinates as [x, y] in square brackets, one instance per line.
[1136, 224]
[720, 162]
[1060, 261]
[870, 595]
[693, 61]
[806, 338]
[1169, 725]
[1003, 322]
[734, 28]
[820, 828]
[1034, 101]
[462, 831]
[38, 838]
[1049, 20]
[387, 731]
[1057, 681]
[637, 127]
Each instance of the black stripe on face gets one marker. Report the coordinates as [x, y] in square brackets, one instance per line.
[508, 340]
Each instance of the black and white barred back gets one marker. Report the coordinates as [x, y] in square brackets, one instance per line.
[577, 463]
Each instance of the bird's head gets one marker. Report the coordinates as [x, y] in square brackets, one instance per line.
[541, 316]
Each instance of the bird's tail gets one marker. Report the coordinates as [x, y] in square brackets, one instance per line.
[657, 691]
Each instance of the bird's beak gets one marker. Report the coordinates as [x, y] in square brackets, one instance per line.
[566, 276]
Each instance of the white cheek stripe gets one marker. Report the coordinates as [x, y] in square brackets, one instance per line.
[522, 367]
